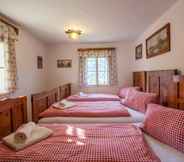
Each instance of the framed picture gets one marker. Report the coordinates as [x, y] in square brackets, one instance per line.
[138, 52]
[159, 43]
[39, 62]
[67, 63]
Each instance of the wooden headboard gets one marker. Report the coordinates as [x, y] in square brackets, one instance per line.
[139, 79]
[13, 113]
[42, 101]
[159, 82]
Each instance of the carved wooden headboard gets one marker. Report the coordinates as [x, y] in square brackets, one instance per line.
[139, 79]
[159, 82]
[42, 101]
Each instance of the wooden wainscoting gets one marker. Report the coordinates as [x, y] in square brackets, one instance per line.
[42, 101]
[13, 113]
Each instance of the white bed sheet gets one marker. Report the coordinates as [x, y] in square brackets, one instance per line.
[163, 151]
[134, 118]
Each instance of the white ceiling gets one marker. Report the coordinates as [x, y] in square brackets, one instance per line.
[101, 20]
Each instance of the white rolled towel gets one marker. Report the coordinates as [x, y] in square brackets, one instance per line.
[24, 132]
[38, 134]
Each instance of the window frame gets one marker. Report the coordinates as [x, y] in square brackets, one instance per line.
[97, 73]
[4, 92]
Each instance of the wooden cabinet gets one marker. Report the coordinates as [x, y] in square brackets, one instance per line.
[13, 113]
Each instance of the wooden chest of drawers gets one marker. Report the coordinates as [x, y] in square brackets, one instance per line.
[13, 113]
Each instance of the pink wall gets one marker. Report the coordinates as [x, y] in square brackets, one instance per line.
[173, 59]
[69, 51]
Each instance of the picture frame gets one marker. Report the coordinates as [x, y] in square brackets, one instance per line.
[159, 43]
[64, 63]
[39, 62]
[139, 51]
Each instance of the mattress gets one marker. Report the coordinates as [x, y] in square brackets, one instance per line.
[88, 109]
[134, 117]
[163, 151]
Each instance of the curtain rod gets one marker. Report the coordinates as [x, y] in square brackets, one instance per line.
[9, 22]
[88, 49]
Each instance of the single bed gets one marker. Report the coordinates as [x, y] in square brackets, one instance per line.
[94, 97]
[83, 143]
[92, 112]
[94, 142]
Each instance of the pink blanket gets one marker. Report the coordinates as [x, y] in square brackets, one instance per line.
[89, 109]
[83, 143]
[94, 97]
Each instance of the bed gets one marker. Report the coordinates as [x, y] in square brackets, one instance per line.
[94, 142]
[42, 101]
[93, 97]
[92, 112]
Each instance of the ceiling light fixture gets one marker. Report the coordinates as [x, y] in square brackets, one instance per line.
[73, 34]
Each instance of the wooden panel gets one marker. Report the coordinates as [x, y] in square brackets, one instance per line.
[161, 83]
[181, 94]
[53, 96]
[42, 101]
[153, 82]
[18, 119]
[5, 123]
[65, 91]
[139, 79]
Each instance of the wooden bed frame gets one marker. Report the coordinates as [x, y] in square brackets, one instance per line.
[41, 101]
[158, 81]
[13, 113]
[161, 82]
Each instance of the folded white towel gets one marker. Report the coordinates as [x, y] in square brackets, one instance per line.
[64, 104]
[24, 132]
[38, 134]
[82, 94]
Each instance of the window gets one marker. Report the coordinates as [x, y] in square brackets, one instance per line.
[97, 67]
[2, 69]
[97, 71]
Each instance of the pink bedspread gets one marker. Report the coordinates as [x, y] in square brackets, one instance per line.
[94, 97]
[84, 143]
[89, 109]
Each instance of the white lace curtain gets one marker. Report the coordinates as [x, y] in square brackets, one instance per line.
[8, 37]
[108, 53]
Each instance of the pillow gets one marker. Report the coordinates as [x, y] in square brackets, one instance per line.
[166, 125]
[138, 100]
[124, 91]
